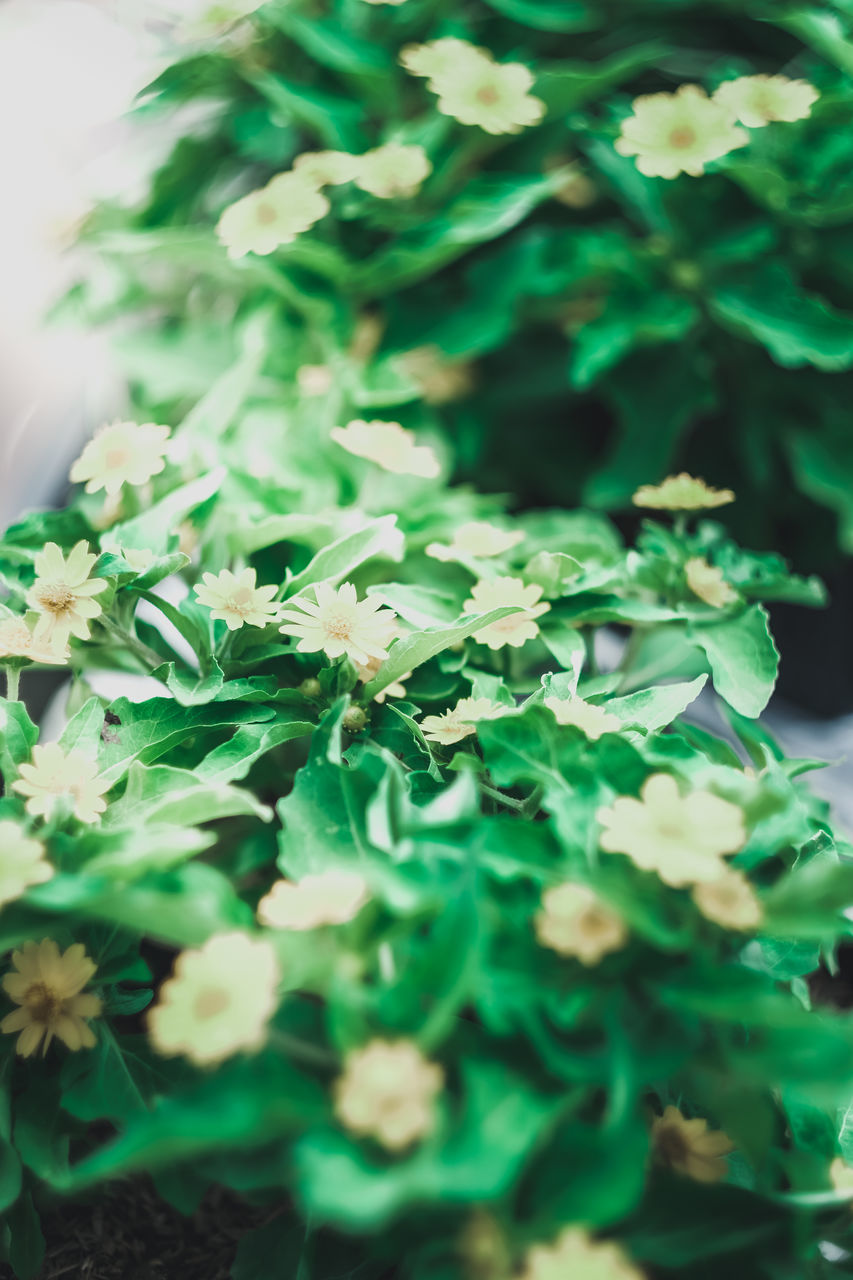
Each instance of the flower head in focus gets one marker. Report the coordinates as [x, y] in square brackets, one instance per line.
[236, 599]
[575, 1254]
[690, 1147]
[390, 446]
[331, 897]
[62, 594]
[394, 169]
[586, 716]
[681, 493]
[681, 132]
[575, 922]
[516, 628]
[460, 722]
[682, 838]
[730, 901]
[759, 100]
[339, 623]
[122, 453]
[261, 221]
[387, 1092]
[476, 538]
[707, 582]
[55, 775]
[218, 1001]
[17, 641]
[48, 987]
[22, 862]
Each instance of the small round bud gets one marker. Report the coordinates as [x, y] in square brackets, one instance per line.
[355, 719]
[311, 688]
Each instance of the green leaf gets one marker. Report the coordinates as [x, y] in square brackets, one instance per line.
[26, 1251]
[410, 652]
[549, 15]
[630, 319]
[332, 564]
[233, 759]
[18, 736]
[163, 794]
[654, 709]
[156, 526]
[743, 659]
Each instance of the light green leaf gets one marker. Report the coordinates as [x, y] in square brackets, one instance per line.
[412, 651]
[380, 537]
[743, 659]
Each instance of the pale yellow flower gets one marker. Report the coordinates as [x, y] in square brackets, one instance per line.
[476, 538]
[55, 775]
[575, 1255]
[759, 100]
[690, 1147]
[841, 1176]
[681, 493]
[140, 559]
[326, 168]
[236, 599]
[390, 446]
[48, 988]
[369, 670]
[62, 594]
[218, 1001]
[575, 922]
[681, 132]
[440, 380]
[261, 221]
[339, 623]
[17, 641]
[22, 862]
[331, 897]
[122, 453]
[682, 838]
[387, 1092]
[494, 96]
[516, 628]
[314, 379]
[592, 720]
[729, 900]
[442, 61]
[394, 169]
[708, 583]
[460, 722]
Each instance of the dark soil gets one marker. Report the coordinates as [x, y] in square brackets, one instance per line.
[130, 1233]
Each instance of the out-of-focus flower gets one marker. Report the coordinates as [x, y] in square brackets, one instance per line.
[476, 538]
[62, 594]
[122, 453]
[690, 1147]
[23, 862]
[439, 379]
[441, 61]
[236, 599]
[314, 379]
[393, 170]
[841, 1176]
[681, 132]
[516, 628]
[575, 1254]
[387, 1092]
[759, 100]
[575, 922]
[326, 168]
[339, 623]
[473, 88]
[682, 838]
[681, 493]
[730, 901]
[390, 446]
[17, 641]
[53, 775]
[460, 722]
[592, 720]
[219, 1000]
[48, 986]
[332, 897]
[261, 221]
[707, 582]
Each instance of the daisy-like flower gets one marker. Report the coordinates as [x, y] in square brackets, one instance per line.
[387, 1092]
[62, 594]
[332, 897]
[707, 582]
[122, 453]
[261, 221]
[140, 559]
[218, 1001]
[390, 446]
[682, 838]
[236, 599]
[516, 628]
[729, 900]
[48, 988]
[690, 1147]
[476, 538]
[681, 493]
[681, 132]
[55, 775]
[393, 170]
[473, 88]
[759, 100]
[17, 641]
[592, 720]
[439, 380]
[22, 862]
[442, 61]
[575, 922]
[576, 1253]
[339, 623]
[327, 168]
[460, 722]
[841, 1176]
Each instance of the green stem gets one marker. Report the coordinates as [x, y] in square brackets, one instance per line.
[13, 680]
[293, 1047]
[147, 656]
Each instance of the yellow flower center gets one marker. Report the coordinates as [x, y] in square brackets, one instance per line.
[115, 458]
[338, 626]
[210, 1001]
[43, 1003]
[240, 602]
[682, 137]
[265, 214]
[488, 95]
[57, 599]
